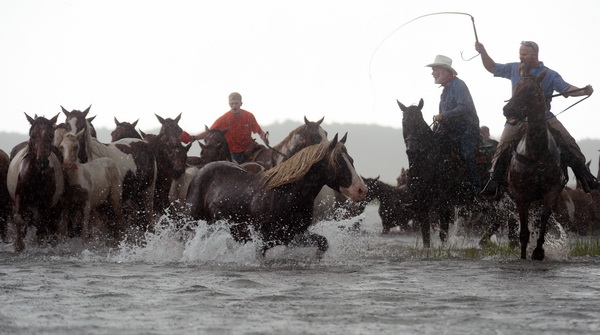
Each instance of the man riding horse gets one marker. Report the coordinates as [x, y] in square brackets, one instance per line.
[570, 151]
[458, 118]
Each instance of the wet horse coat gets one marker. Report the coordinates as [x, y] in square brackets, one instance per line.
[535, 172]
[35, 182]
[136, 163]
[277, 203]
[91, 188]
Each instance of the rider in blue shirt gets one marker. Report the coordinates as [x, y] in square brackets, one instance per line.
[528, 54]
[457, 116]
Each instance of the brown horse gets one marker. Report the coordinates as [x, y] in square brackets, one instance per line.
[305, 135]
[5, 205]
[35, 182]
[277, 203]
[136, 162]
[124, 130]
[535, 172]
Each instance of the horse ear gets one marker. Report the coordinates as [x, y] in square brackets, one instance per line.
[306, 120]
[206, 128]
[135, 123]
[333, 142]
[320, 121]
[66, 112]
[343, 140]
[91, 118]
[202, 146]
[402, 107]
[177, 118]
[85, 112]
[54, 119]
[421, 103]
[143, 134]
[116, 121]
[377, 178]
[160, 119]
[187, 147]
[29, 118]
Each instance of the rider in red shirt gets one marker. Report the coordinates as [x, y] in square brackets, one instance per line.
[240, 125]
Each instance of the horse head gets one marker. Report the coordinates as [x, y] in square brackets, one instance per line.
[215, 147]
[417, 134]
[124, 130]
[170, 131]
[41, 136]
[69, 148]
[528, 99]
[77, 121]
[345, 179]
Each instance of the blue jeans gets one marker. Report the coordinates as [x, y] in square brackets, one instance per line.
[237, 157]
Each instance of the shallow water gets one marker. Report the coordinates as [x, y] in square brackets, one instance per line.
[203, 282]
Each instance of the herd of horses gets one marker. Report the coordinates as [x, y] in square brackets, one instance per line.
[65, 182]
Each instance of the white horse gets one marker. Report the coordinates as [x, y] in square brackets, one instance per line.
[90, 187]
[135, 160]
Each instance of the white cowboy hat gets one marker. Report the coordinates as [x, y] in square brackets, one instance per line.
[443, 61]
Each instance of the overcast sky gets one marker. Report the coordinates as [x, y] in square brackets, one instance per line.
[337, 59]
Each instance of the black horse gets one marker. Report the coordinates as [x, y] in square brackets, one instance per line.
[437, 179]
[392, 203]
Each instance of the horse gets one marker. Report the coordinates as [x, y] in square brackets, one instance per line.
[124, 130]
[277, 203]
[535, 171]
[136, 162]
[93, 187]
[435, 172]
[392, 201]
[5, 205]
[35, 183]
[305, 135]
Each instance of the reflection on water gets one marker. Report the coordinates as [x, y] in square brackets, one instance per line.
[201, 281]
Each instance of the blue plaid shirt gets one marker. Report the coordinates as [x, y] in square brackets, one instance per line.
[457, 107]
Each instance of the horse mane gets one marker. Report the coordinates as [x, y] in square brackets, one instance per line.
[298, 165]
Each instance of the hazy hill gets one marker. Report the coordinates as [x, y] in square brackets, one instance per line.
[377, 150]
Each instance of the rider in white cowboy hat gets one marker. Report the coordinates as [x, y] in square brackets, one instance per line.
[458, 117]
[444, 62]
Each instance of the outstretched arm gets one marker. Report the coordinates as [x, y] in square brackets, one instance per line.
[574, 91]
[487, 61]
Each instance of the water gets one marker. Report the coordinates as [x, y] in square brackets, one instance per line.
[202, 282]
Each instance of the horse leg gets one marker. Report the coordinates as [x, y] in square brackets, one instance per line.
[524, 235]
[309, 239]
[85, 229]
[538, 252]
[423, 219]
[445, 218]
[20, 230]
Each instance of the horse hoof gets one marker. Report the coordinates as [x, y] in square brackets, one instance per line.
[538, 254]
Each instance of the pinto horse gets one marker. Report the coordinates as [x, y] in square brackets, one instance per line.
[136, 162]
[535, 172]
[277, 203]
[35, 182]
[91, 188]
[305, 135]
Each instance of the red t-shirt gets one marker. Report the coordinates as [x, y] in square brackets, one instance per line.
[241, 127]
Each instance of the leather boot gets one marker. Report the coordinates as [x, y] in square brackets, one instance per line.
[494, 189]
[584, 176]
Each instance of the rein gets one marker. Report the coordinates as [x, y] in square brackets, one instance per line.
[270, 147]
